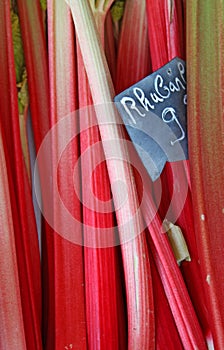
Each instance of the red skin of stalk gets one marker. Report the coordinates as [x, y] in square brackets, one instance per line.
[27, 249]
[35, 49]
[166, 331]
[176, 292]
[133, 61]
[104, 301]
[179, 300]
[11, 319]
[67, 321]
[166, 42]
[110, 46]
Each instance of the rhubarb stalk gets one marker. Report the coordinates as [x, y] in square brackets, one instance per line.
[137, 56]
[21, 83]
[133, 62]
[205, 32]
[176, 292]
[175, 175]
[183, 312]
[66, 315]
[136, 267]
[11, 319]
[34, 44]
[104, 304]
[27, 249]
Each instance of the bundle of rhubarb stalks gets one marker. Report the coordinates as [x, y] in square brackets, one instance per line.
[85, 261]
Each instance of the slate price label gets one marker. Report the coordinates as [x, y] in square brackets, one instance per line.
[154, 113]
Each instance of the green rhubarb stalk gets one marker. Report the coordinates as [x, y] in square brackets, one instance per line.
[135, 255]
[205, 57]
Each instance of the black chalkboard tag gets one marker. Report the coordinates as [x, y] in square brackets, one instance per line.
[154, 113]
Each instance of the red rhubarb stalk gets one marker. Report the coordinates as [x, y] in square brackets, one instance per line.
[166, 329]
[27, 249]
[184, 314]
[133, 62]
[11, 319]
[110, 46]
[21, 83]
[66, 315]
[104, 304]
[35, 51]
[176, 292]
[134, 47]
[176, 175]
[205, 32]
[174, 286]
[136, 267]
[174, 17]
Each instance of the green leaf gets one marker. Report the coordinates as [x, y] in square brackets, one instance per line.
[43, 4]
[17, 46]
[117, 10]
[23, 95]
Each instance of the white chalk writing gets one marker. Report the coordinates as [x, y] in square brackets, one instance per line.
[162, 92]
[172, 112]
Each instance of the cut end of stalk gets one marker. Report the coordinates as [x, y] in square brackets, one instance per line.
[177, 242]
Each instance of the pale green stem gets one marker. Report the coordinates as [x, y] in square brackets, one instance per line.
[102, 90]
